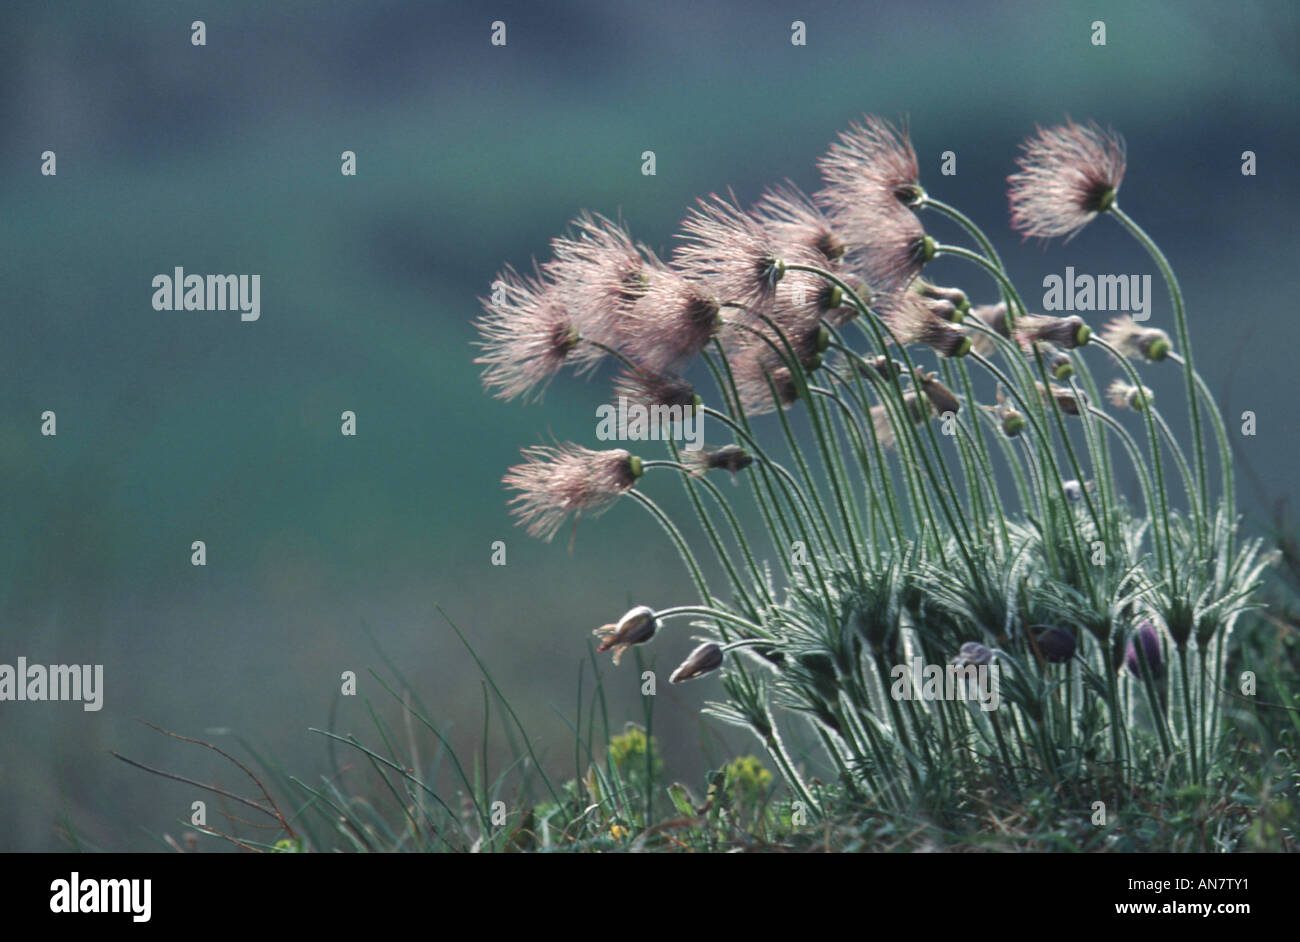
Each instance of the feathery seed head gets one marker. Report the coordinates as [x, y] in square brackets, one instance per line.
[600, 273]
[730, 252]
[754, 366]
[528, 335]
[871, 181]
[795, 221]
[1149, 343]
[912, 321]
[873, 160]
[555, 482]
[1068, 174]
[1065, 332]
[671, 322]
[648, 388]
[1124, 395]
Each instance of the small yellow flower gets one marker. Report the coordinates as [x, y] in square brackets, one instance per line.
[618, 832]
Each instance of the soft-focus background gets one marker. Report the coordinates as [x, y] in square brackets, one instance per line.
[327, 553]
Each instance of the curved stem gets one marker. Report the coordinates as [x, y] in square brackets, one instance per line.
[1184, 342]
[687, 556]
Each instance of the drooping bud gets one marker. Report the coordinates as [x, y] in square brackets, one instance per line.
[1124, 395]
[942, 399]
[636, 627]
[703, 660]
[953, 296]
[1056, 645]
[1013, 423]
[1136, 342]
[994, 317]
[731, 458]
[882, 365]
[1065, 332]
[1145, 656]
[972, 652]
[1058, 363]
[1066, 399]
[917, 408]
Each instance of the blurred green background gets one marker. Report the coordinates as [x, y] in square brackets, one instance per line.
[178, 426]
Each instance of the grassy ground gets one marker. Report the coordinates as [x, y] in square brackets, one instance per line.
[404, 789]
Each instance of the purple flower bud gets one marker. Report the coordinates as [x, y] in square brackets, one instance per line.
[1057, 645]
[1145, 646]
[972, 652]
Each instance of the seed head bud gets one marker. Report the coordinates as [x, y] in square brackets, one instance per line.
[912, 321]
[881, 365]
[952, 296]
[1065, 332]
[917, 408]
[1147, 343]
[731, 458]
[636, 627]
[1124, 395]
[703, 660]
[1060, 365]
[1066, 399]
[1012, 420]
[994, 317]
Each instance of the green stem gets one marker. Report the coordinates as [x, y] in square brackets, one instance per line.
[1184, 342]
